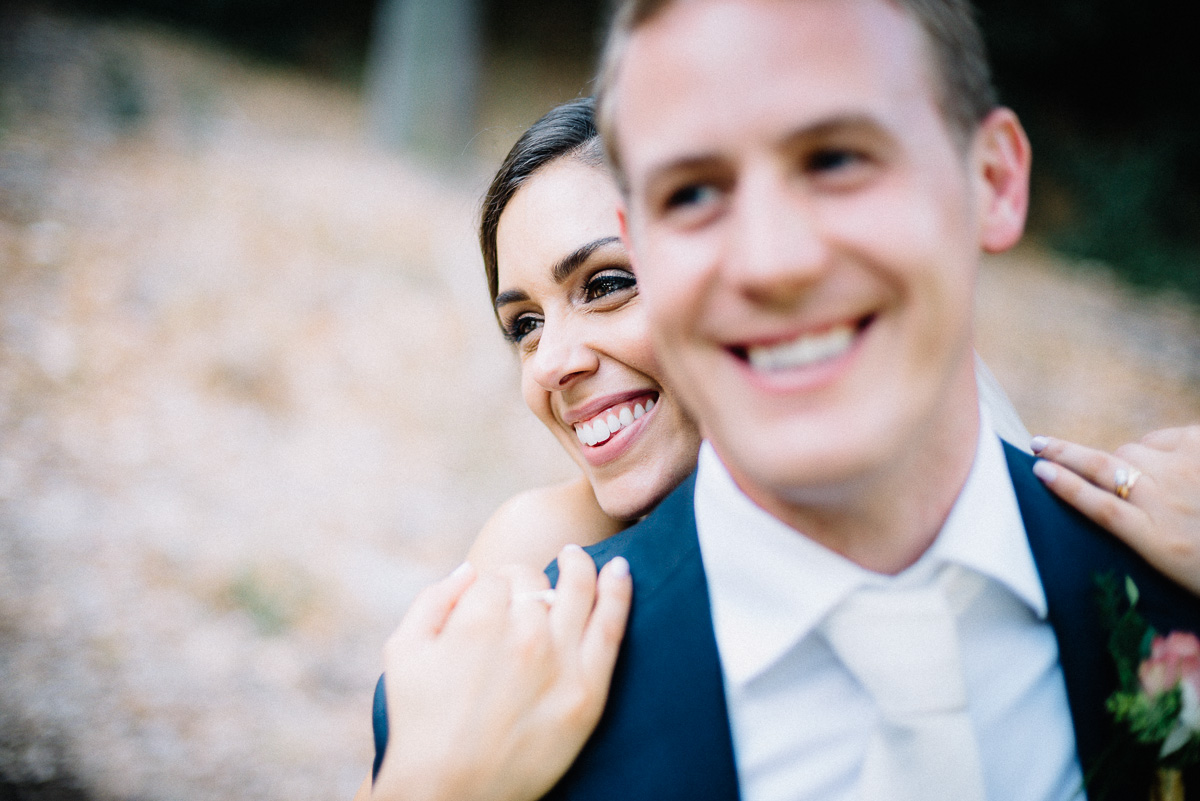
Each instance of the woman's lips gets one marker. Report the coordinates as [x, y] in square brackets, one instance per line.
[600, 428]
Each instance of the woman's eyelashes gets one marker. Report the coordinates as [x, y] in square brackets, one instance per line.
[605, 290]
[521, 326]
[608, 284]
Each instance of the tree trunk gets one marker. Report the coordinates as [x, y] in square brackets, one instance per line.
[423, 76]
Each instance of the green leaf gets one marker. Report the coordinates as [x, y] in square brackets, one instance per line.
[1131, 591]
[1129, 633]
[1147, 641]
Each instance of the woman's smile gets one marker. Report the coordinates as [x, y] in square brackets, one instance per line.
[609, 434]
[568, 300]
[594, 428]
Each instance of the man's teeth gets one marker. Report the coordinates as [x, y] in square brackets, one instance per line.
[803, 351]
[609, 422]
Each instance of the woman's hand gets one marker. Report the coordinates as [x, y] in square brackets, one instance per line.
[1160, 516]
[493, 687]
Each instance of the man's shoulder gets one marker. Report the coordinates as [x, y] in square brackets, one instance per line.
[656, 544]
[1072, 553]
[670, 524]
[1073, 556]
[665, 730]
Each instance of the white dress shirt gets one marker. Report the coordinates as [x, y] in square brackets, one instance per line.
[801, 722]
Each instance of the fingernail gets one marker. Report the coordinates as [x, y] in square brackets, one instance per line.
[618, 567]
[1044, 470]
[571, 548]
[462, 569]
[1038, 444]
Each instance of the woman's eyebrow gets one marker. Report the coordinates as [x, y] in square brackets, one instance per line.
[509, 296]
[571, 262]
[561, 271]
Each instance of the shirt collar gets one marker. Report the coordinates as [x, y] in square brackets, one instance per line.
[769, 587]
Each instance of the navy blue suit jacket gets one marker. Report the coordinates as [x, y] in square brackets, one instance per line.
[665, 731]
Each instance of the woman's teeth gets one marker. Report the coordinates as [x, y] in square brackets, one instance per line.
[609, 422]
[802, 351]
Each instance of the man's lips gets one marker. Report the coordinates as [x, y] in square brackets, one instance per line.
[598, 428]
[807, 349]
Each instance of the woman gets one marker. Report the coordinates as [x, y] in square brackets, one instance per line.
[499, 689]
[566, 298]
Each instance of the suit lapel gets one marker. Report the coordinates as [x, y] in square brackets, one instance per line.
[1070, 553]
[665, 731]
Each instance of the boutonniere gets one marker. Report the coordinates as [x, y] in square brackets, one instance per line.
[1158, 700]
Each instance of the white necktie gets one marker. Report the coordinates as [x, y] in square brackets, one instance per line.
[902, 647]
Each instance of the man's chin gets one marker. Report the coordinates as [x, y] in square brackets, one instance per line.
[800, 467]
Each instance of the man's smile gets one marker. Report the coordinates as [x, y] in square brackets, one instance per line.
[804, 350]
[798, 351]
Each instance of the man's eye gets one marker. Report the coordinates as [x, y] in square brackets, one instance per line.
[521, 326]
[832, 159]
[607, 283]
[691, 195]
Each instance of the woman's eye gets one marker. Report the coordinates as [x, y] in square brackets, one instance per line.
[521, 326]
[607, 283]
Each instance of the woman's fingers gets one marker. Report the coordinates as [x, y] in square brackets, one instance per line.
[1089, 483]
[606, 628]
[529, 616]
[575, 594]
[1101, 506]
[481, 608]
[527, 583]
[1146, 493]
[1096, 466]
[433, 605]
[499, 705]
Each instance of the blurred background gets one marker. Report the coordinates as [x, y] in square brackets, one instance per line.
[251, 394]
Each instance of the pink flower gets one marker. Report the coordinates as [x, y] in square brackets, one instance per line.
[1175, 662]
[1173, 659]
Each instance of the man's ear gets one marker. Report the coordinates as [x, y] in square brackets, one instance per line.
[626, 239]
[1003, 161]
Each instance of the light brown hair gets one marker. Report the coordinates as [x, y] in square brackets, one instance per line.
[966, 93]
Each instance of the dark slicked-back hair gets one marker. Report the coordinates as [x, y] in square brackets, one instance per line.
[565, 131]
[966, 93]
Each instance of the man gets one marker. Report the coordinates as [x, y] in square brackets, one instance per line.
[809, 187]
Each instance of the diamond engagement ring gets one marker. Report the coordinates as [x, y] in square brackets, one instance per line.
[1124, 479]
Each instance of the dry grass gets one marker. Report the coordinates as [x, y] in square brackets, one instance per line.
[251, 398]
[1083, 356]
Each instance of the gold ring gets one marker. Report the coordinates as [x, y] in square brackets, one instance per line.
[1124, 479]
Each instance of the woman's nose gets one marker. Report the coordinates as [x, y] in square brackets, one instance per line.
[562, 357]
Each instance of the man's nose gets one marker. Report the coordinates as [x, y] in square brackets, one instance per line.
[563, 356]
[775, 250]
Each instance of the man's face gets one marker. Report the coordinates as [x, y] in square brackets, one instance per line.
[805, 230]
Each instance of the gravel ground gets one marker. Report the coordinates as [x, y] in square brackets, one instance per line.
[252, 398]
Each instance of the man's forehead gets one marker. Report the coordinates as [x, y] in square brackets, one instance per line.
[704, 70]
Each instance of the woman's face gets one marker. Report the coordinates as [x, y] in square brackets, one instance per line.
[569, 302]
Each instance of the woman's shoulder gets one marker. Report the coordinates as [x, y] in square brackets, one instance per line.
[532, 526]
